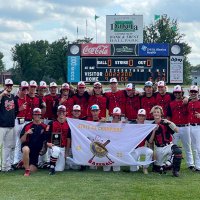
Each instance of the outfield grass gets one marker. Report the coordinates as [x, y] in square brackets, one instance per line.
[92, 184]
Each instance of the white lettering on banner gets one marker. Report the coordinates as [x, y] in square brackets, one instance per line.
[100, 50]
[100, 144]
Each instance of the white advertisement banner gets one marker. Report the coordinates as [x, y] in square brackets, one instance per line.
[176, 69]
[101, 144]
[124, 29]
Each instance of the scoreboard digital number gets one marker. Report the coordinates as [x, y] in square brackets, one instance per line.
[135, 69]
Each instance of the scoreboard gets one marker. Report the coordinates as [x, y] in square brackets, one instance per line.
[125, 69]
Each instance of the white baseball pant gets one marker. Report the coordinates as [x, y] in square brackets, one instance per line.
[163, 154]
[195, 138]
[59, 153]
[184, 136]
[7, 144]
[147, 152]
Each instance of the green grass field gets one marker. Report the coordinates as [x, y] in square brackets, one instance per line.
[93, 184]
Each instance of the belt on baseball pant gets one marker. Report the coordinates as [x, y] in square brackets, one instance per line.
[195, 124]
[182, 125]
[164, 145]
[20, 120]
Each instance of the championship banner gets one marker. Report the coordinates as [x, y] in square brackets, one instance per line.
[100, 144]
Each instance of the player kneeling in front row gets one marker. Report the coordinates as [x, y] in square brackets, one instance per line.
[59, 139]
[167, 154]
[32, 137]
[141, 149]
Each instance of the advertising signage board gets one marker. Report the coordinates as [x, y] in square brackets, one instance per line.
[124, 29]
[154, 49]
[124, 50]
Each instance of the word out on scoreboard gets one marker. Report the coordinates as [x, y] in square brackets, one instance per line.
[125, 69]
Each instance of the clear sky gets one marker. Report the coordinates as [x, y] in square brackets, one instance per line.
[30, 20]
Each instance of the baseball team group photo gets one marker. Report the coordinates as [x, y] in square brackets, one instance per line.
[98, 103]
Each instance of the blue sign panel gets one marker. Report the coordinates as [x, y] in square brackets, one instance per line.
[73, 69]
[153, 49]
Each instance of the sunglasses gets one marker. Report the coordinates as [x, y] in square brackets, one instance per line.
[193, 91]
[97, 87]
[9, 85]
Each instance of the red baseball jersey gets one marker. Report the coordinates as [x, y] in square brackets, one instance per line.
[20, 102]
[55, 127]
[50, 103]
[82, 101]
[193, 106]
[148, 103]
[164, 101]
[178, 112]
[117, 99]
[132, 106]
[101, 101]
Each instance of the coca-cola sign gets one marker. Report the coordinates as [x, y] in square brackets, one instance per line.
[95, 50]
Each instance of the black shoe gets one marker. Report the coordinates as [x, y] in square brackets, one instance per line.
[51, 171]
[191, 168]
[176, 173]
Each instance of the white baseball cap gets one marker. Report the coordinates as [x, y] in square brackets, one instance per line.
[194, 87]
[117, 111]
[113, 80]
[76, 107]
[94, 107]
[24, 84]
[37, 111]
[161, 84]
[177, 88]
[8, 82]
[81, 84]
[130, 86]
[97, 84]
[33, 84]
[148, 84]
[53, 84]
[61, 108]
[65, 86]
[43, 84]
[141, 112]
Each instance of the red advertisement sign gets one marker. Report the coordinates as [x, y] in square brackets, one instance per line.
[95, 50]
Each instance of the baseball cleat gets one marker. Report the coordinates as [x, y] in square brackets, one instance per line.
[27, 172]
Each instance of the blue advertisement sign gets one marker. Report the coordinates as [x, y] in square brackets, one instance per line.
[73, 69]
[153, 49]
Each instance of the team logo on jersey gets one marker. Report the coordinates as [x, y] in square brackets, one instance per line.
[98, 148]
[9, 105]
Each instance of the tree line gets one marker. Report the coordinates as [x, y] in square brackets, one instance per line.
[41, 60]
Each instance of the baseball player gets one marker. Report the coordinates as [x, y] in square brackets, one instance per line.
[132, 102]
[81, 98]
[178, 113]
[32, 137]
[163, 98]
[194, 120]
[32, 101]
[115, 98]
[116, 118]
[141, 149]
[148, 100]
[99, 99]
[95, 114]
[59, 141]
[42, 89]
[50, 100]
[21, 103]
[7, 123]
[167, 154]
[65, 99]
